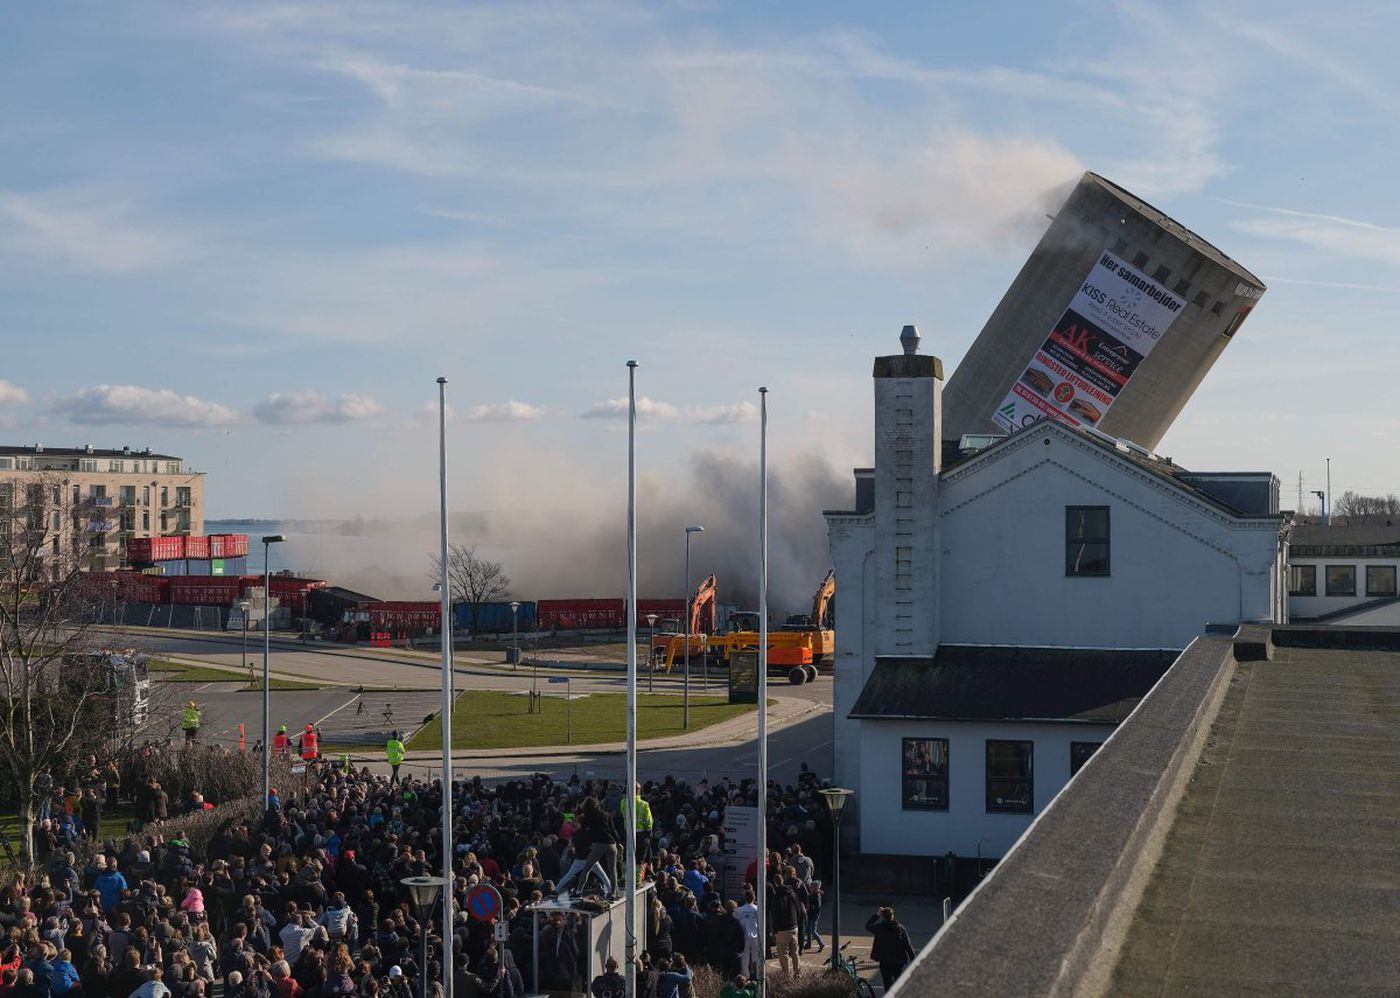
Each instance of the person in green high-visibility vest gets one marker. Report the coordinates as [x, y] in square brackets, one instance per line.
[189, 721]
[393, 751]
[644, 825]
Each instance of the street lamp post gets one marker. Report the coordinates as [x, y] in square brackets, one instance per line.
[836, 798]
[243, 607]
[515, 633]
[425, 892]
[267, 541]
[685, 700]
[651, 653]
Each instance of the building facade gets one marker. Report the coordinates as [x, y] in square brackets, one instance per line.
[91, 502]
[1345, 574]
[1054, 541]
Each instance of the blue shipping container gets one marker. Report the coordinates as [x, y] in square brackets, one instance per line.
[198, 566]
[236, 566]
[493, 618]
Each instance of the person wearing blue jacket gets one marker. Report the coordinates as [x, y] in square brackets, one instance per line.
[65, 976]
[110, 886]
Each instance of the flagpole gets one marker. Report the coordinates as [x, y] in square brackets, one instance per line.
[445, 629]
[762, 868]
[630, 789]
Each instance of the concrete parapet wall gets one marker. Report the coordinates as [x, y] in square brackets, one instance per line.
[1051, 918]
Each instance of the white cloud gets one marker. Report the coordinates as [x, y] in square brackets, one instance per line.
[503, 412]
[650, 409]
[132, 404]
[647, 408]
[84, 230]
[736, 412]
[311, 407]
[1333, 234]
[12, 394]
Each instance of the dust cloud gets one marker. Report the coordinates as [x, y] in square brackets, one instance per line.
[575, 547]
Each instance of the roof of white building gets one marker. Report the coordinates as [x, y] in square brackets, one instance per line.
[1349, 540]
[980, 683]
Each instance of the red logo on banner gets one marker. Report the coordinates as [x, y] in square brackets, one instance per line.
[1064, 391]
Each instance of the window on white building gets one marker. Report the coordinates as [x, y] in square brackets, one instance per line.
[1079, 753]
[1302, 580]
[1341, 580]
[1010, 777]
[1380, 580]
[925, 784]
[87, 464]
[1086, 540]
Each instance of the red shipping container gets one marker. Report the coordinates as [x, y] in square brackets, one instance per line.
[232, 545]
[580, 614]
[150, 549]
[405, 616]
[205, 590]
[197, 547]
[216, 546]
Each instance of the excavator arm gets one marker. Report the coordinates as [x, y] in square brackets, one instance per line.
[821, 602]
[702, 606]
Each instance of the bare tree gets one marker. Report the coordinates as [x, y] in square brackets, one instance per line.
[1354, 506]
[55, 693]
[473, 580]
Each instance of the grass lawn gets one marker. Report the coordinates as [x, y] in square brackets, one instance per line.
[484, 719]
[114, 821]
[164, 670]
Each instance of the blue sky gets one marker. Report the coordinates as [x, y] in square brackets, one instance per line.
[254, 234]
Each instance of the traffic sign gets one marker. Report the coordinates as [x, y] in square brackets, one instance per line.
[558, 679]
[502, 932]
[484, 903]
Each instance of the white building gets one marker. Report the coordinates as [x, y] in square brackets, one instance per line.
[1344, 575]
[999, 616]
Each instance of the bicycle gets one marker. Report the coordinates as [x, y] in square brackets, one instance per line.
[848, 967]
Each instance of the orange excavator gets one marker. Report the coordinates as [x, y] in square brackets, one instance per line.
[819, 625]
[670, 644]
[796, 648]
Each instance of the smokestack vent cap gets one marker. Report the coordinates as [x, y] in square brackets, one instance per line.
[909, 339]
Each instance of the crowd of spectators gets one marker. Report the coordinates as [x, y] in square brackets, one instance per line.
[308, 902]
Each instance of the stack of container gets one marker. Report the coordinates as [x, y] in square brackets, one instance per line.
[292, 591]
[215, 555]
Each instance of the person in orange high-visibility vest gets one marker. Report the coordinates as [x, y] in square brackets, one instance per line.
[310, 751]
[281, 744]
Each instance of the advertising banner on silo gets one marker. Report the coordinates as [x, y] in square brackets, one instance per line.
[1115, 319]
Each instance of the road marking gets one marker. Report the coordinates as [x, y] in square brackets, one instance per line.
[347, 703]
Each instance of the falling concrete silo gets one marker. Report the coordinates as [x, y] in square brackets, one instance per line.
[1112, 323]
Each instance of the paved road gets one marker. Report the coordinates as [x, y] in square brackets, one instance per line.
[372, 668]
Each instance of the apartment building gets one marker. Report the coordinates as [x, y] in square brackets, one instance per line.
[90, 501]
